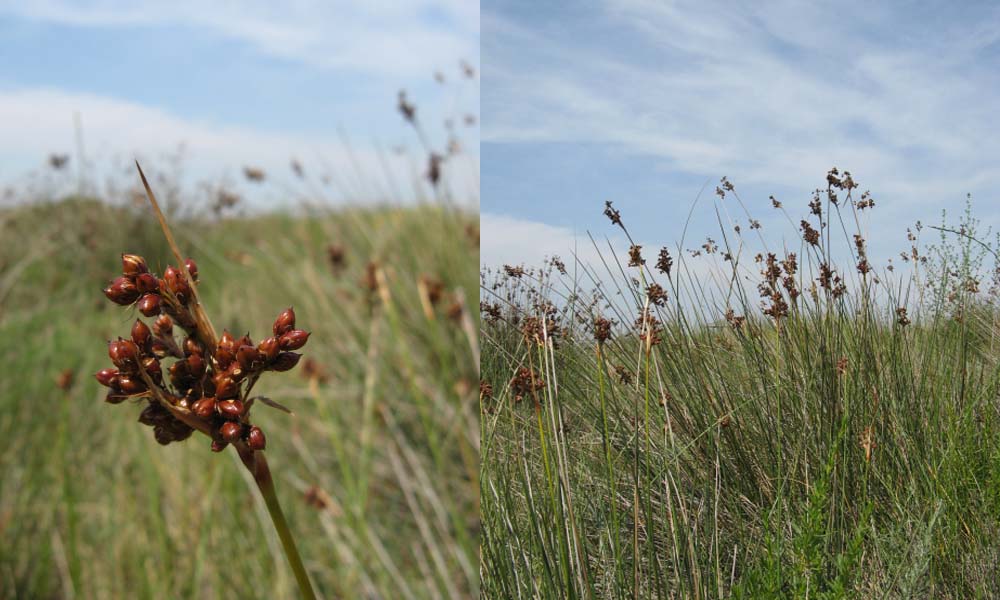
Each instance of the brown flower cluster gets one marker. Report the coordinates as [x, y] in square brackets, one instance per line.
[664, 262]
[602, 329]
[208, 385]
[635, 258]
[525, 383]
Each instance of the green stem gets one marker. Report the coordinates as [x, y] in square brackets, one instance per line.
[257, 465]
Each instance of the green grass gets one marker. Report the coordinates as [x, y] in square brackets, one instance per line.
[732, 461]
[92, 507]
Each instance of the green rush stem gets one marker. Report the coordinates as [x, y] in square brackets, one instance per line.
[257, 465]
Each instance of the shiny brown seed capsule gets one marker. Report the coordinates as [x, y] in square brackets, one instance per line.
[152, 366]
[163, 326]
[133, 264]
[141, 334]
[255, 439]
[131, 385]
[147, 283]
[285, 361]
[230, 409]
[204, 408]
[294, 339]
[193, 346]
[285, 322]
[224, 358]
[219, 445]
[177, 284]
[149, 305]
[196, 365]
[226, 387]
[228, 343]
[106, 377]
[269, 348]
[122, 291]
[159, 348]
[192, 268]
[247, 357]
[123, 354]
[231, 431]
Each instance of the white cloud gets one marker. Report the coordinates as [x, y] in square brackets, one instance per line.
[118, 128]
[398, 39]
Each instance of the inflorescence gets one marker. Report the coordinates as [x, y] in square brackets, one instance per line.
[208, 385]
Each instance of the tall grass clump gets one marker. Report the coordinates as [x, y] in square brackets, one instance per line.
[751, 418]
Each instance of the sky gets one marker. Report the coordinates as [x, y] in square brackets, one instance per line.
[239, 84]
[647, 103]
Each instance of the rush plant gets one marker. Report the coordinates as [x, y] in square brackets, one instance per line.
[208, 385]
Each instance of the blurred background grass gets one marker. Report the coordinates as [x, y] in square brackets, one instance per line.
[377, 470]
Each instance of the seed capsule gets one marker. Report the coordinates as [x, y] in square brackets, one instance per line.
[192, 268]
[147, 283]
[133, 264]
[230, 409]
[149, 305]
[247, 356]
[159, 348]
[228, 343]
[131, 385]
[123, 354]
[163, 326]
[255, 439]
[219, 445]
[141, 334]
[196, 365]
[177, 284]
[114, 397]
[106, 377]
[193, 346]
[204, 407]
[224, 358]
[269, 348]
[231, 431]
[285, 322]
[152, 366]
[122, 291]
[285, 361]
[294, 339]
[225, 387]
[154, 414]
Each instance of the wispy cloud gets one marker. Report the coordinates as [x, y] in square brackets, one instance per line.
[397, 39]
[770, 94]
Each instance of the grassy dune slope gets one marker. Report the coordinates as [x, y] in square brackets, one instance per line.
[377, 470]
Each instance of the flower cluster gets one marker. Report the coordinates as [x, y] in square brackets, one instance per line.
[208, 385]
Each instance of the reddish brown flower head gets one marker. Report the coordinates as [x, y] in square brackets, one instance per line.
[285, 322]
[122, 291]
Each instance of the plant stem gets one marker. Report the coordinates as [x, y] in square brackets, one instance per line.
[257, 465]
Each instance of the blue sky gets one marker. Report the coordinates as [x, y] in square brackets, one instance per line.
[238, 83]
[643, 102]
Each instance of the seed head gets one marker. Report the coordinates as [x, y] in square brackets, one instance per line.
[230, 409]
[122, 291]
[107, 377]
[255, 439]
[231, 431]
[163, 326]
[141, 335]
[149, 305]
[146, 282]
[269, 348]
